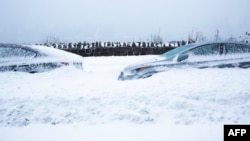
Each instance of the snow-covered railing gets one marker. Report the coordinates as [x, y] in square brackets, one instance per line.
[117, 48]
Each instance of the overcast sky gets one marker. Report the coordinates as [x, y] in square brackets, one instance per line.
[32, 21]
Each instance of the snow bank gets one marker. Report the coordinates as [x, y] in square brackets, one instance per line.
[94, 101]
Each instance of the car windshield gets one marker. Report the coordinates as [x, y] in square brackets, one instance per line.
[15, 53]
[175, 51]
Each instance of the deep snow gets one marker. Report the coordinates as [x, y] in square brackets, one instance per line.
[69, 104]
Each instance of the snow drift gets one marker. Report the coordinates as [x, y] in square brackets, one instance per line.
[93, 99]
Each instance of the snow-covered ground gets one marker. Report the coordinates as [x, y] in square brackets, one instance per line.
[92, 105]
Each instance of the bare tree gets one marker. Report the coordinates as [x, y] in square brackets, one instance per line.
[51, 40]
[191, 37]
[200, 37]
[232, 38]
[156, 38]
[217, 35]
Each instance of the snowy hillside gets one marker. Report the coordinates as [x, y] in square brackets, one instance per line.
[91, 105]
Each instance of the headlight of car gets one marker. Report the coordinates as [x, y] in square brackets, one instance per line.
[141, 69]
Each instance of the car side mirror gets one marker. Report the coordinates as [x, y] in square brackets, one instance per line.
[182, 57]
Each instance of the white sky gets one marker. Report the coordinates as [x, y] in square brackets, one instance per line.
[31, 21]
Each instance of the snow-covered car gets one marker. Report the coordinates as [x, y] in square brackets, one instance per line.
[198, 55]
[33, 58]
